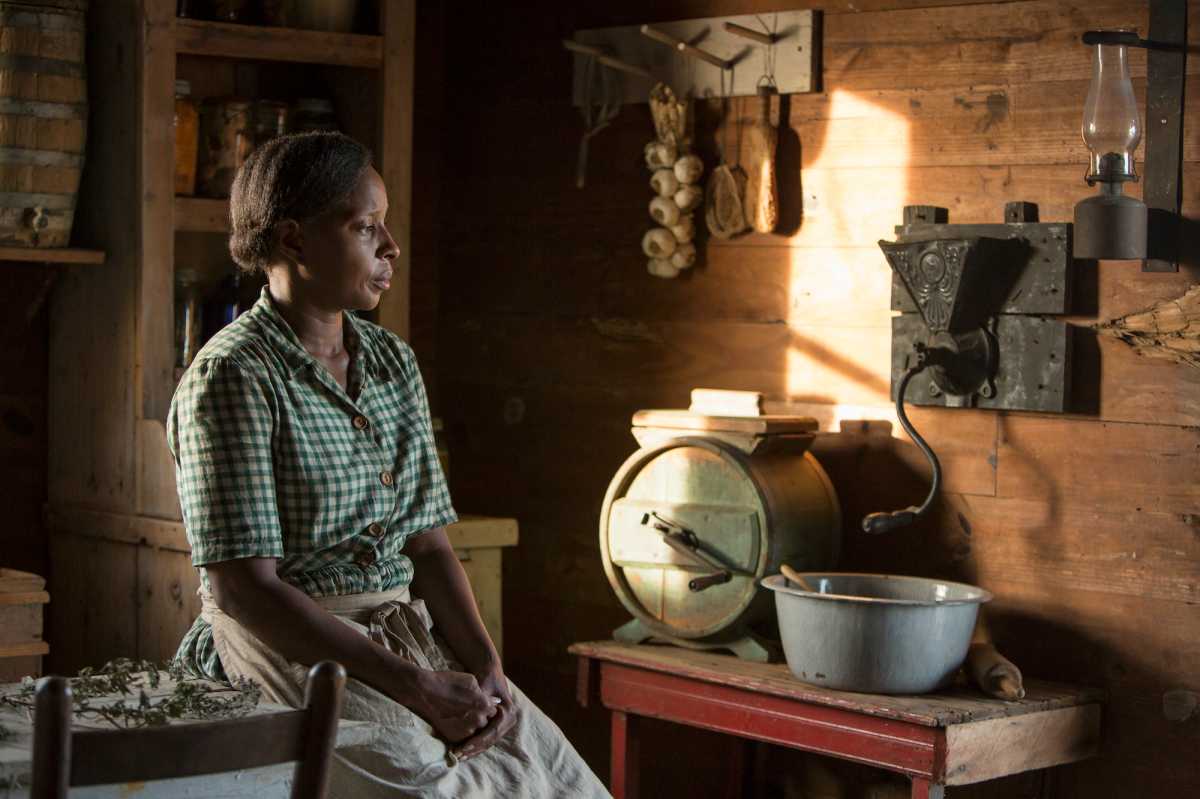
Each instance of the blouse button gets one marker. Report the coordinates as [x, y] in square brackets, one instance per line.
[386, 478]
[360, 423]
[376, 529]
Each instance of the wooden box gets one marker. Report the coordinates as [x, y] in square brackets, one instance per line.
[478, 540]
[22, 596]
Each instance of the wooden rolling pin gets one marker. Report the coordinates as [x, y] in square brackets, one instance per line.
[991, 672]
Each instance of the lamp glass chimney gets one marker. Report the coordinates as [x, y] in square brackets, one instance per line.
[1111, 127]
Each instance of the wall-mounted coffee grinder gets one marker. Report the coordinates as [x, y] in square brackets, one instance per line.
[974, 330]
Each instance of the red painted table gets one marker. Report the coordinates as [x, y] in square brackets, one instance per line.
[954, 738]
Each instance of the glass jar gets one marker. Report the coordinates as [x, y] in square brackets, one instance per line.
[187, 138]
[312, 114]
[188, 316]
[270, 120]
[226, 140]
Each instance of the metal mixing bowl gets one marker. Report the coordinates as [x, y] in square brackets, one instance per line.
[875, 633]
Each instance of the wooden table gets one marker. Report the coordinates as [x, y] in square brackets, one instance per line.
[953, 738]
[268, 782]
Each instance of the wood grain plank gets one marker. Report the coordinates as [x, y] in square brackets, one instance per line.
[823, 198]
[1118, 466]
[846, 286]
[1136, 389]
[397, 85]
[130, 529]
[984, 750]
[157, 494]
[471, 531]
[217, 39]
[154, 346]
[93, 615]
[975, 45]
[91, 454]
[64, 255]
[167, 603]
[1136, 649]
[201, 215]
[1074, 546]
[805, 364]
[981, 125]
[942, 709]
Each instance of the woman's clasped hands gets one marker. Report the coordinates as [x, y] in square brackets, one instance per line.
[467, 714]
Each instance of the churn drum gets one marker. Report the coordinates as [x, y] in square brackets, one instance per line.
[707, 507]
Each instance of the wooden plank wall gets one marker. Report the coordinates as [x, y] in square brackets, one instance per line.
[23, 387]
[550, 334]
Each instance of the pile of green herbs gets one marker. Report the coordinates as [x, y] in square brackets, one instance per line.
[119, 693]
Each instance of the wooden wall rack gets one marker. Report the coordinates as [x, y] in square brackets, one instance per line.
[709, 57]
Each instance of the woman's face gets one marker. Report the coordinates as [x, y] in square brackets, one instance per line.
[345, 256]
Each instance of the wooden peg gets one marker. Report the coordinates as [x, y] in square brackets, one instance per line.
[685, 48]
[747, 33]
[604, 58]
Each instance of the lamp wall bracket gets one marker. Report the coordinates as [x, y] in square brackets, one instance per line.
[1165, 68]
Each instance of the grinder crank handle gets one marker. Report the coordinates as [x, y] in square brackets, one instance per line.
[876, 523]
[885, 522]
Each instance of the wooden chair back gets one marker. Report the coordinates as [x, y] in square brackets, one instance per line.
[62, 758]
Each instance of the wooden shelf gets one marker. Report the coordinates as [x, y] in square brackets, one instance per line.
[258, 43]
[51, 255]
[201, 215]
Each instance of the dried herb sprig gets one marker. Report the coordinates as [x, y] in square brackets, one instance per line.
[189, 698]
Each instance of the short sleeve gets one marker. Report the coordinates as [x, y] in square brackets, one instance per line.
[220, 431]
[431, 506]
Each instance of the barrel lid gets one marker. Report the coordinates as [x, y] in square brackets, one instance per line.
[13, 581]
[702, 423]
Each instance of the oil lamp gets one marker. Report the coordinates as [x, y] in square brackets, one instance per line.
[1111, 225]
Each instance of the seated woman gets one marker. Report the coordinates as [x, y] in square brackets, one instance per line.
[313, 501]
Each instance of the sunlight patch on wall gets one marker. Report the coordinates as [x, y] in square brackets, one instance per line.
[840, 283]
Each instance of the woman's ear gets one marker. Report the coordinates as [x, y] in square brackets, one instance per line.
[289, 241]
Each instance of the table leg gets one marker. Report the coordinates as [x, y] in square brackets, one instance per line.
[924, 789]
[624, 756]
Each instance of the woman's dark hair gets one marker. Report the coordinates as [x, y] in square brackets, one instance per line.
[299, 176]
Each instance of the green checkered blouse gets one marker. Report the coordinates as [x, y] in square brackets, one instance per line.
[275, 460]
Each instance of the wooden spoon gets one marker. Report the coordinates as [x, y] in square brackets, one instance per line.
[794, 576]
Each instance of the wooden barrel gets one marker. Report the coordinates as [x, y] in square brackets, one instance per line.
[43, 119]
